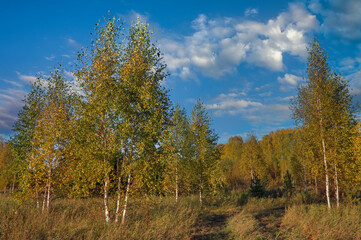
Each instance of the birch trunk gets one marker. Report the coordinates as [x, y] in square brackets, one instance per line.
[106, 201]
[48, 191]
[316, 185]
[118, 200]
[126, 199]
[326, 173]
[200, 195]
[48, 197]
[176, 183]
[44, 200]
[37, 198]
[336, 188]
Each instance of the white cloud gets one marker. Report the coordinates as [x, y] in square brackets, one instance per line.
[341, 18]
[250, 12]
[16, 84]
[10, 104]
[219, 46]
[73, 43]
[132, 17]
[289, 79]
[26, 78]
[254, 111]
[50, 58]
[233, 106]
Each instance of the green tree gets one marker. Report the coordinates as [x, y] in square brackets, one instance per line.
[50, 141]
[24, 129]
[176, 148]
[206, 155]
[145, 111]
[98, 73]
[124, 109]
[322, 106]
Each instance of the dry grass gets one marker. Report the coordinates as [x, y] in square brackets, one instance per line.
[83, 219]
[317, 222]
[247, 224]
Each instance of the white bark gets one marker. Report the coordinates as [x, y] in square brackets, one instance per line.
[106, 206]
[326, 173]
[44, 200]
[126, 199]
[336, 188]
[176, 184]
[37, 198]
[118, 200]
[48, 197]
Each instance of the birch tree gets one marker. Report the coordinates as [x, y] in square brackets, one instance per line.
[146, 103]
[98, 75]
[176, 149]
[24, 129]
[205, 155]
[51, 137]
[322, 104]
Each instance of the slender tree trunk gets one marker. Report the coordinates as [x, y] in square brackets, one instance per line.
[200, 195]
[336, 188]
[118, 194]
[305, 185]
[37, 198]
[200, 190]
[118, 200]
[49, 189]
[176, 183]
[316, 185]
[147, 212]
[326, 173]
[106, 200]
[48, 197]
[12, 187]
[44, 200]
[126, 198]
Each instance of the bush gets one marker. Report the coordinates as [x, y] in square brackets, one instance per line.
[257, 189]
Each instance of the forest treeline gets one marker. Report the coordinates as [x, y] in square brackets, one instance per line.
[113, 132]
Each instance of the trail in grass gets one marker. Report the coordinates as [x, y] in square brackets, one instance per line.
[212, 224]
[269, 221]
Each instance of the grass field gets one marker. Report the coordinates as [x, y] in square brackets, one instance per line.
[228, 217]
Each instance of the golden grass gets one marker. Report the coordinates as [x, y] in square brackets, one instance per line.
[84, 219]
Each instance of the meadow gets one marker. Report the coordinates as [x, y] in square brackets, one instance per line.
[232, 216]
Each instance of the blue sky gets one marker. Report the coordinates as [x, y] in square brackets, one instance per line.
[244, 59]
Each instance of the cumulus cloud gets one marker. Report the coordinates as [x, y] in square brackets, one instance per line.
[288, 81]
[219, 46]
[254, 111]
[341, 18]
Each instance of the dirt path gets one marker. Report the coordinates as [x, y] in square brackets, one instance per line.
[212, 225]
[269, 221]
